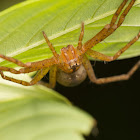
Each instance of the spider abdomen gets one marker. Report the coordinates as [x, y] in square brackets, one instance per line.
[71, 79]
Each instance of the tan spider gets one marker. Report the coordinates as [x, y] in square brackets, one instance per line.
[72, 66]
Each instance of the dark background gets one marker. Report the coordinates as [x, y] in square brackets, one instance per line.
[115, 106]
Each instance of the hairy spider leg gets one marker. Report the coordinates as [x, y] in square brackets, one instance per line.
[121, 77]
[26, 69]
[50, 45]
[81, 37]
[109, 28]
[34, 66]
[19, 63]
[9, 70]
[116, 14]
[100, 56]
[122, 17]
[52, 77]
[22, 70]
[41, 73]
[46, 62]
[114, 26]
[13, 60]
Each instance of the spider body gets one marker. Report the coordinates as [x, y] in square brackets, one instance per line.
[72, 65]
[70, 71]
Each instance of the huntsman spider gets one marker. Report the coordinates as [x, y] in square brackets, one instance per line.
[71, 66]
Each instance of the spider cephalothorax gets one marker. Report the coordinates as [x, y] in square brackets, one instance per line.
[69, 61]
[72, 65]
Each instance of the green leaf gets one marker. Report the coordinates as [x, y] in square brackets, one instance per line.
[21, 27]
[39, 113]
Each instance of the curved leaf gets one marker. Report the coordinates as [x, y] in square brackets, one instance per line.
[38, 113]
[22, 24]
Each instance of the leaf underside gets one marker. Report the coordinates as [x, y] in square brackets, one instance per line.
[39, 113]
[22, 26]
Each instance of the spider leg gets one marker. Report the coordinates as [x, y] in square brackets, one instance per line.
[28, 69]
[81, 37]
[125, 12]
[96, 39]
[46, 62]
[103, 57]
[9, 70]
[42, 64]
[37, 78]
[50, 45]
[52, 78]
[32, 66]
[13, 60]
[93, 78]
[109, 28]
[22, 70]
[115, 16]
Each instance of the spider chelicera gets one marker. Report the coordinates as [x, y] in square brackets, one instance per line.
[72, 66]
